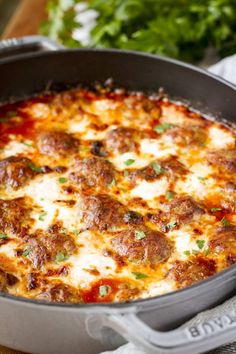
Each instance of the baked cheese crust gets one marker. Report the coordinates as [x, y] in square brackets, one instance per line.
[108, 195]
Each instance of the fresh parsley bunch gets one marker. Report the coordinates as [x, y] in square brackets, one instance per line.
[181, 29]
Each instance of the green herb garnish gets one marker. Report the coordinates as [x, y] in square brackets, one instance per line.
[126, 173]
[200, 244]
[195, 252]
[169, 196]
[35, 168]
[26, 144]
[171, 225]
[202, 179]
[215, 209]
[112, 184]
[3, 236]
[62, 180]
[161, 128]
[138, 275]
[206, 252]
[139, 234]
[129, 162]
[157, 168]
[26, 251]
[187, 253]
[60, 257]
[76, 232]
[42, 215]
[104, 290]
[225, 222]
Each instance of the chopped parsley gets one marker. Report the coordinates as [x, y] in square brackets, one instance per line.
[202, 179]
[3, 236]
[62, 180]
[138, 275]
[161, 128]
[26, 144]
[200, 244]
[129, 162]
[112, 184]
[169, 195]
[42, 215]
[104, 290]
[157, 168]
[60, 257]
[26, 251]
[171, 225]
[139, 234]
[195, 252]
[187, 253]
[63, 231]
[225, 222]
[76, 232]
[35, 168]
[215, 209]
[126, 173]
[206, 252]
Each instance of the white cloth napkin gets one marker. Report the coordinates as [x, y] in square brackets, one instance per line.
[226, 68]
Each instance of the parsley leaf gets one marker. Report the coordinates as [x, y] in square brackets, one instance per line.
[169, 196]
[126, 173]
[161, 128]
[138, 275]
[26, 251]
[129, 162]
[112, 184]
[171, 225]
[35, 168]
[187, 253]
[200, 243]
[62, 180]
[215, 209]
[60, 257]
[139, 234]
[104, 290]
[42, 215]
[3, 236]
[225, 222]
[157, 168]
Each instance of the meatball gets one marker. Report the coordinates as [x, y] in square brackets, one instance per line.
[57, 143]
[59, 292]
[142, 245]
[188, 135]
[16, 171]
[171, 167]
[183, 209]
[14, 216]
[7, 280]
[121, 140]
[225, 159]
[224, 242]
[101, 212]
[186, 273]
[94, 171]
[45, 246]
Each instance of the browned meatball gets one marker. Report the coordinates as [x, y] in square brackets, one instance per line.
[171, 167]
[121, 140]
[183, 209]
[59, 292]
[142, 245]
[16, 171]
[94, 171]
[189, 135]
[101, 212]
[14, 217]
[7, 280]
[45, 246]
[57, 143]
[225, 159]
[224, 242]
[186, 273]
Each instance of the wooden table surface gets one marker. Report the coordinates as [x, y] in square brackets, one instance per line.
[26, 19]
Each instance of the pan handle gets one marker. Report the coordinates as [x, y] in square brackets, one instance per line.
[206, 331]
[30, 44]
